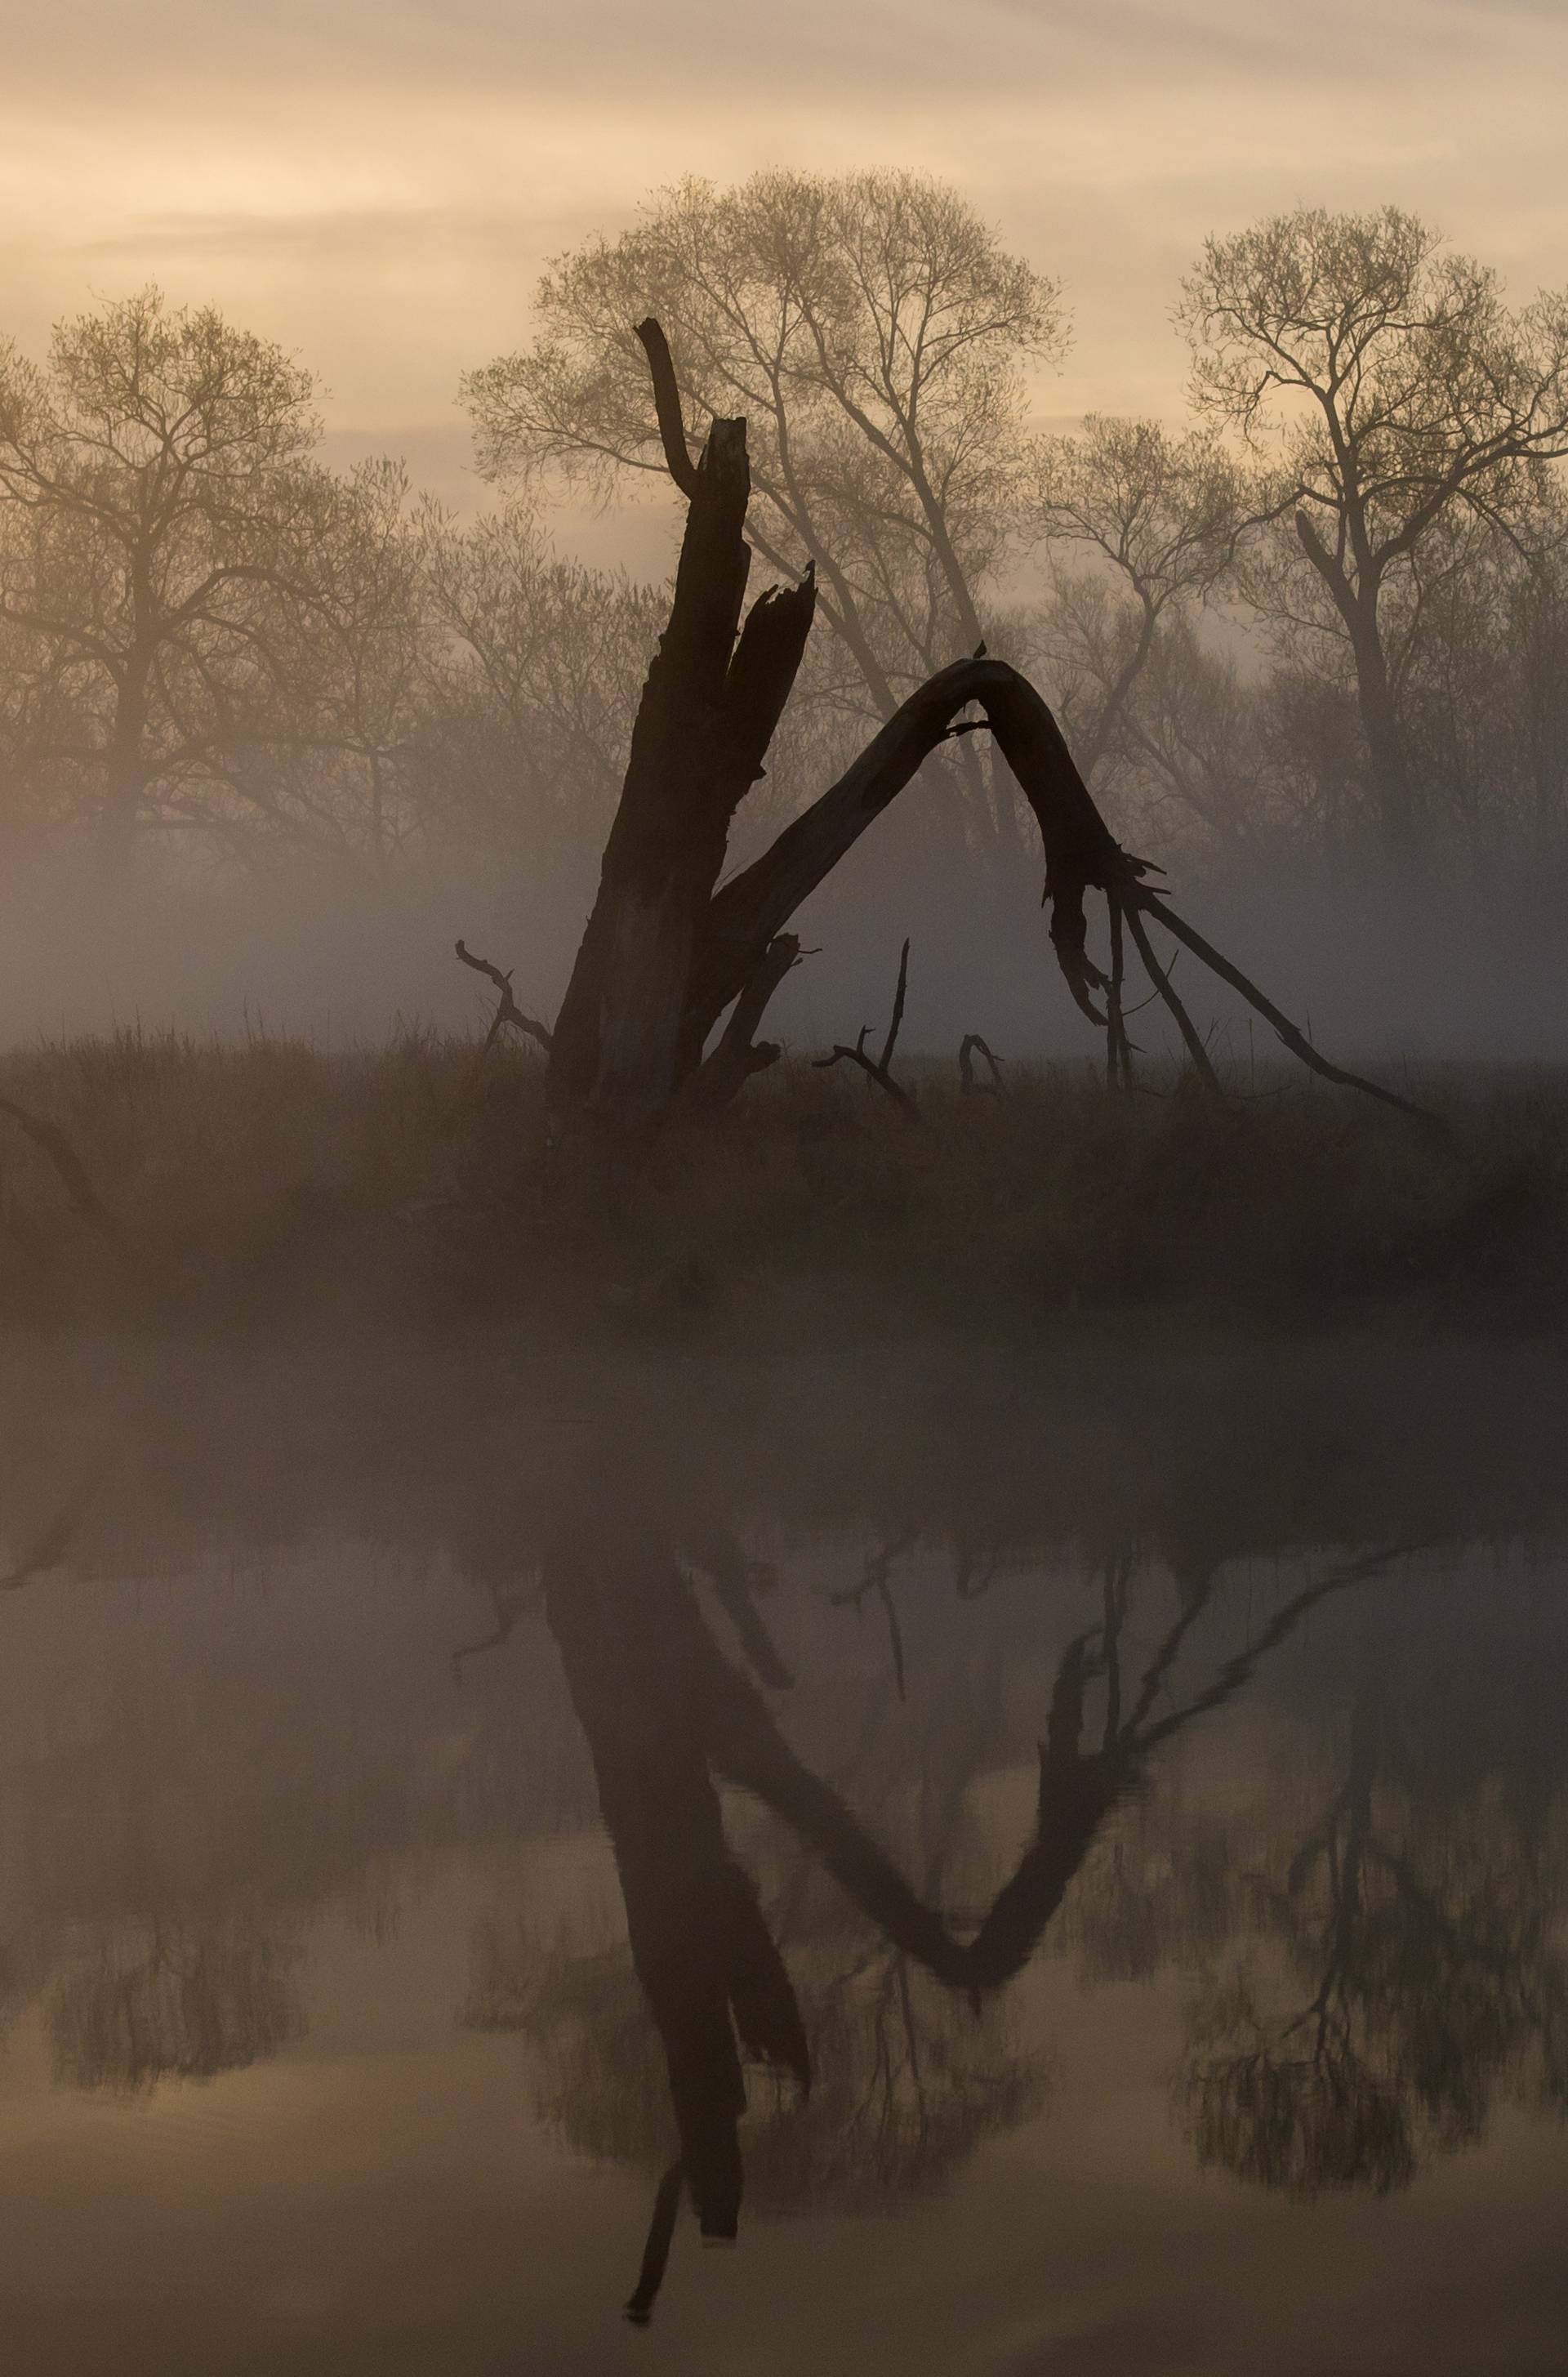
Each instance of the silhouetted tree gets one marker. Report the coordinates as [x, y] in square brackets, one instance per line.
[1383, 384]
[527, 717]
[153, 490]
[1157, 518]
[318, 753]
[873, 332]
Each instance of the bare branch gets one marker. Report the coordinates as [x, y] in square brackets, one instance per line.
[507, 1010]
[1294, 1039]
[1162, 980]
[891, 1042]
[53, 1141]
[876, 1069]
[970, 1046]
[667, 405]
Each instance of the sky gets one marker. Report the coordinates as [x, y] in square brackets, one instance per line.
[376, 182]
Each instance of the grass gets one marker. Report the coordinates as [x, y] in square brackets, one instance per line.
[270, 1182]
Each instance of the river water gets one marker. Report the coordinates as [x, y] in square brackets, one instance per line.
[918, 1863]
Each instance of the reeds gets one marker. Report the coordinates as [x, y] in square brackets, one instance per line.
[271, 1181]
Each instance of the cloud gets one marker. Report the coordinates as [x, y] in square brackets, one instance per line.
[378, 185]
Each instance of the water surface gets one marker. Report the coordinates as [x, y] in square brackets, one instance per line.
[941, 1866]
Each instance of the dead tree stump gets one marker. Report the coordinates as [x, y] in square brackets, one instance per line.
[666, 951]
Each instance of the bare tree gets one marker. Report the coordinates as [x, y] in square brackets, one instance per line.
[528, 711]
[317, 751]
[871, 330]
[1383, 383]
[1156, 517]
[875, 334]
[153, 474]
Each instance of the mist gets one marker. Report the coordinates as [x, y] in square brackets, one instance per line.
[783, 1189]
[1385, 971]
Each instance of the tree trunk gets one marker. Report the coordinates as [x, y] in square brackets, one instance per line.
[1392, 787]
[623, 1043]
[1357, 604]
[124, 769]
[664, 952]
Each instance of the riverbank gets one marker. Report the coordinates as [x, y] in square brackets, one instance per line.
[150, 1178]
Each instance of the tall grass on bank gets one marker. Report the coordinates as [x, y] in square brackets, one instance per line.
[270, 1180]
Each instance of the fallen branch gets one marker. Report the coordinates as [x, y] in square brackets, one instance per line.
[1295, 1039]
[1160, 977]
[507, 1010]
[877, 1069]
[970, 1046]
[52, 1140]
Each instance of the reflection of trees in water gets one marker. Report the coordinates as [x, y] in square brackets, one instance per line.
[152, 2001]
[893, 2092]
[906, 2078]
[1402, 1970]
[907, 2081]
[1378, 1927]
[596, 2068]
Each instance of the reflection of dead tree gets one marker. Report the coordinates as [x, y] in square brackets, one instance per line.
[736, 1581]
[665, 1714]
[877, 1070]
[874, 1580]
[627, 1622]
[507, 1011]
[970, 1046]
[655, 2251]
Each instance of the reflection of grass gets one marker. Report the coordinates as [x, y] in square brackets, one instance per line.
[273, 1178]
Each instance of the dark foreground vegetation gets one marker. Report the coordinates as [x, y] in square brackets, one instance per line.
[271, 1183]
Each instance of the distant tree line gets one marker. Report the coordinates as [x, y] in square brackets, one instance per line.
[1327, 619]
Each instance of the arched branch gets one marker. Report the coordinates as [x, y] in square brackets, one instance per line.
[1079, 847]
